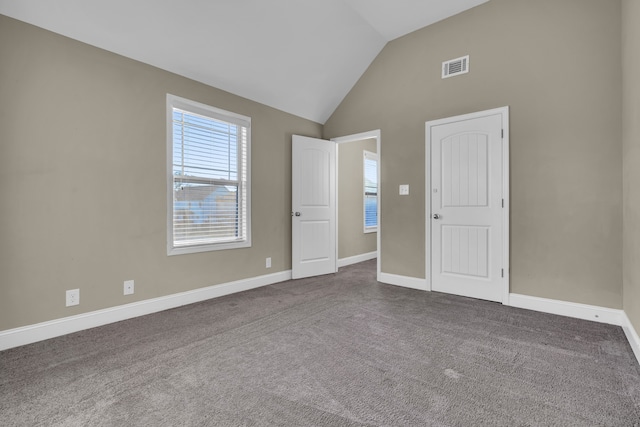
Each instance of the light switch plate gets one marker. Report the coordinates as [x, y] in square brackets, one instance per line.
[404, 189]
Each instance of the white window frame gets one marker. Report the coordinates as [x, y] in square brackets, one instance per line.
[368, 155]
[216, 114]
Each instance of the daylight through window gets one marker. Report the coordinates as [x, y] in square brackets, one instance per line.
[209, 169]
[370, 192]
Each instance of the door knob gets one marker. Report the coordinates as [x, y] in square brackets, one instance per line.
[298, 214]
[436, 216]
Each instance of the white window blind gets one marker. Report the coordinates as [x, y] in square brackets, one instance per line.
[209, 178]
[370, 192]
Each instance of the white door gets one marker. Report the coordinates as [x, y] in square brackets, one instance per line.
[313, 204]
[467, 206]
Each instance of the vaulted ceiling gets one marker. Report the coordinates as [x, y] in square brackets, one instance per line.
[299, 56]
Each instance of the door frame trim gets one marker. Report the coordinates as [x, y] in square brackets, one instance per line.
[504, 112]
[358, 137]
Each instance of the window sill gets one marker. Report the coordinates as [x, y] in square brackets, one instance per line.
[182, 250]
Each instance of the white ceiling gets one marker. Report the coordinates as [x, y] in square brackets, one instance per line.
[299, 56]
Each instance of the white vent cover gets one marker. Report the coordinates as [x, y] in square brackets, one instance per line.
[455, 67]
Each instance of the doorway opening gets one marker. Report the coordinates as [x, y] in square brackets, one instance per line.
[357, 239]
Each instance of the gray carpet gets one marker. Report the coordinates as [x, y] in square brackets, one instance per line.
[339, 350]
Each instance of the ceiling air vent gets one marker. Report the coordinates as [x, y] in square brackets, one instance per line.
[455, 67]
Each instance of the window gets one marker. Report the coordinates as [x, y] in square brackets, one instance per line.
[209, 201]
[370, 192]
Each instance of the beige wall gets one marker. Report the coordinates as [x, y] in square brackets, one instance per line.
[82, 158]
[557, 65]
[631, 157]
[83, 184]
[352, 240]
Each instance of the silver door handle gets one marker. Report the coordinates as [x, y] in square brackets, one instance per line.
[436, 216]
[298, 214]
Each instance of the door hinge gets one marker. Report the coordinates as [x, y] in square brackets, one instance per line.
[502, 133]
[503, 272]
[503, 203]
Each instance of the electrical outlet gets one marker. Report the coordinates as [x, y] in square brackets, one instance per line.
[128, 287]
[404, 190]
[73, 297]
[268, 263]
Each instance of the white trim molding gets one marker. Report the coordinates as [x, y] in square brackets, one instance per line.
[404, 281]
[343, 262]
[594, 313]
[632, 336]
[569, 309]
[41, 331]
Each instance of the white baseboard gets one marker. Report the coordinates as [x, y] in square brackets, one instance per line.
[343, 262]
[581, 311]
[41, 331]
[632, 336]
[569, 309]
[404, 281]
